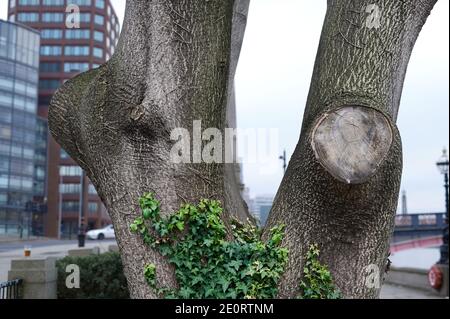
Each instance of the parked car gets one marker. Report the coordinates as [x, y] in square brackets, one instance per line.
[102, 233]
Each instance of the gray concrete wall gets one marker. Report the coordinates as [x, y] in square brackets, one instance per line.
[39, 277]
[410, 277]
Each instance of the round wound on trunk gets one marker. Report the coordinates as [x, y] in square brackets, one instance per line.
[352, 142]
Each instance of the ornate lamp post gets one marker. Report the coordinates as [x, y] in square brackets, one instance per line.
[442, 165]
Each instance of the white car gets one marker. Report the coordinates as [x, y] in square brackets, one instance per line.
[102, 233]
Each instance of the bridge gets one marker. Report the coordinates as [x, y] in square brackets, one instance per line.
[418, 230]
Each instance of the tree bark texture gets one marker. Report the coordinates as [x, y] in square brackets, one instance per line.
[174, 64]
[342, 183]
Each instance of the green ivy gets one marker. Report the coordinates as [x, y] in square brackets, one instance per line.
[317, 281]
[207, 265]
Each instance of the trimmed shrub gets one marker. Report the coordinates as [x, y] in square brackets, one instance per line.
[101, 277]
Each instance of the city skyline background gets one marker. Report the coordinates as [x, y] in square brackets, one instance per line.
[277, 58]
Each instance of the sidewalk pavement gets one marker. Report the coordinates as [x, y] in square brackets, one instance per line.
[389, 291]
[58, 251]
[13, 239]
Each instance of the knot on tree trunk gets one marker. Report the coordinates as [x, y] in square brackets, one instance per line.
[352, 142]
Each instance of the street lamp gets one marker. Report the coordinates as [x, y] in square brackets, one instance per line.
[442, 165]
[283, 158]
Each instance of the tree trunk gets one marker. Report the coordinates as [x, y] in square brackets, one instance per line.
[174, 64]
[342, 183]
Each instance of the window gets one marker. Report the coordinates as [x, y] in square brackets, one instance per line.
[70, 206]
[58, 3]
[100, 4]
[92, 190]
[52, 17]
[4, 147]
[100, 20]
[78, 34]
[51, 34]
[76, 50]
[70, 67]
[4, 178]
[49, 84]
[85, 17]
[28, 2]
[28, 17]
[80, 2]
[5, 99]
[50, 67]
[21, 87]
[5, 116]
[92, 207]
[6, 83]
[51, 50]
[39, 172]
[12, 3]
[98, 53]
[5, 132]
[98, 36]
[63, 154]
[69, 188]
[70, 170]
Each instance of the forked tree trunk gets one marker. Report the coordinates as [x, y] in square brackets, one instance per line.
[341, 186]
[175, 64]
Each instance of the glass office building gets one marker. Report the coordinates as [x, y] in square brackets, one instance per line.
[66, 50]
[19, 65]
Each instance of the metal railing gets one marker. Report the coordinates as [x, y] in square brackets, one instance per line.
[10, 289]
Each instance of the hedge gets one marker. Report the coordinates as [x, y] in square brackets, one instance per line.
[101, 277]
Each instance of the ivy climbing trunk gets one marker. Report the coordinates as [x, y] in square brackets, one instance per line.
[174, 64]
[341, 186]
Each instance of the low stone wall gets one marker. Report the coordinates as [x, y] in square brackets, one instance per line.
[409, 277]
[39, 277]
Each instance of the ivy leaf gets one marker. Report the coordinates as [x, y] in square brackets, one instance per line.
[235, 264]
[208, 242]
[196, 280]
[186, 292]
[180, 225]
[224, 283]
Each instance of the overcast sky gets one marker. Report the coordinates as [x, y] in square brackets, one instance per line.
[273, 80]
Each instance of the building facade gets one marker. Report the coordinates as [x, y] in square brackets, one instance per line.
[262, 206]
[19, 63]
[76, 35]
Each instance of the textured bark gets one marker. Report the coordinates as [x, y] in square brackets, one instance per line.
[174, 64]
[341, 186]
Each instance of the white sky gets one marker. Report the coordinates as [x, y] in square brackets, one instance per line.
[273, 80]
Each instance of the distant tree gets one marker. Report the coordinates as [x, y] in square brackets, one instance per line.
[175, 63]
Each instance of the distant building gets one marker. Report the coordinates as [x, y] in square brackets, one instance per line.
[404, 204]
[64, 53]
[262, 207]
[19, 63]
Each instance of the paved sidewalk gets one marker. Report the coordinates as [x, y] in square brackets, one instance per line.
[389, 291]
[58, 251]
